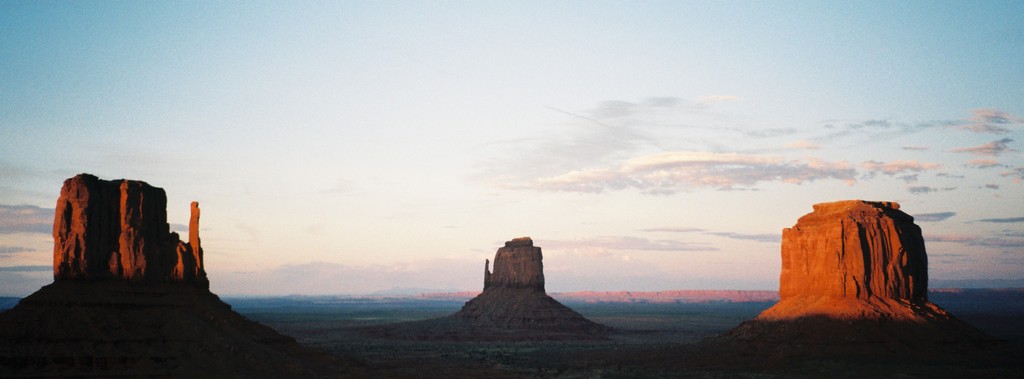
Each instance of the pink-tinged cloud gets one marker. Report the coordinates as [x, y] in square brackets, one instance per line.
[987, 120]
[622, 243]
[982, 163]
[671, 172]
[1017, 173]
[991, 149]
[803, 145]
[897, 167]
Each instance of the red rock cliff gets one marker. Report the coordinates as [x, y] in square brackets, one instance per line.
[118, 230]
[853, 259]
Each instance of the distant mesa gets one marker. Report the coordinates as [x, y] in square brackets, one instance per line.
[129, 299]
[512, 306]
[854, 276]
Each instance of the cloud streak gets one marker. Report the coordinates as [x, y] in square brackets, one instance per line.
[897, 167]
[25, 219]
[988, 120]
[672, 172]
[933, 217]
[606, 243]
[1008, 220]
[10, 250]
[991, 149]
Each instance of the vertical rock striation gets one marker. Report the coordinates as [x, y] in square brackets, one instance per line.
[854, 281]
[118, 230]
[854, 259]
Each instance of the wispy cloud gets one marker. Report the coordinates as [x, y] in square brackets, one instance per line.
[1017, 173]
[948, 238]
[933, 217]
[991, 149]
[673, 230]
[26, 269]
[982, 163]
[25, 219]
[777, 237]
[774, 237]
[1003, 220]
[988, 120]
[671, 172]
[897, 167]
[625, 243]
[917, 190]
[9, 250]
[916, 148]
[803, 145]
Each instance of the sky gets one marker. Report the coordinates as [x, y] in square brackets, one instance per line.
[392, 146]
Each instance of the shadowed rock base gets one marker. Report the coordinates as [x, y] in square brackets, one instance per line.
[512, 307]
[112, 328]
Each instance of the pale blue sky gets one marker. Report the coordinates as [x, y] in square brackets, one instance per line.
[343, 147]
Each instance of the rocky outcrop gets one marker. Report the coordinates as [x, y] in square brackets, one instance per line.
[131, 300]
[854, 259]
[854, 281]
[514, 296]
[118, 230]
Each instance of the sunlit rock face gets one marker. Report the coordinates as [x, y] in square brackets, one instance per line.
[131, 300]
[854, 259]
[854, 281]
[118, 230]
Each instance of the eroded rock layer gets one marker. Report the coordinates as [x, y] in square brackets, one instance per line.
[854, 259]
[118, 230]
[131, 300]
[854, 281]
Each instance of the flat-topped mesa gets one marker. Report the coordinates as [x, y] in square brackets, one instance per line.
[516, 265]
[854, 259]
[118, 230]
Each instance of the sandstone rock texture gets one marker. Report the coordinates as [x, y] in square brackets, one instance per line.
[118, 230]
[854, 259]
[854, 281]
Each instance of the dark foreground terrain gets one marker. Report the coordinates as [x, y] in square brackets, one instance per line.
[651, 340]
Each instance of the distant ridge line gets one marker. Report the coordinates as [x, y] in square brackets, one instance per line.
[684, 296]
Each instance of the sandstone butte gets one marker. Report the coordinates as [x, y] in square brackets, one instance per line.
[118, 230]
[854, 281]
[514, 296]
[855, 260]
[131, 300]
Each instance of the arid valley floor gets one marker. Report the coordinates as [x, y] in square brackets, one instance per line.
[652, 339]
